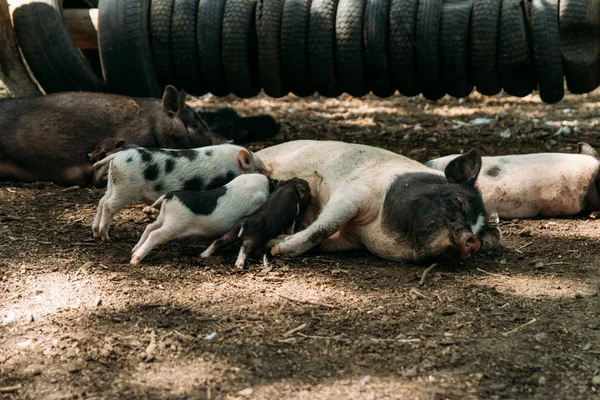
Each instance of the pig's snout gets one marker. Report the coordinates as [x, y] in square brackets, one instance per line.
[468, 245]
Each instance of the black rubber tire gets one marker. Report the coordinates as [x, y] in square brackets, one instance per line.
[579, 31]
[240, 49]
[403, 50]
[546, 50]
[377, 23]
[210, 23]
[268, 29]
[161, 13]
[48, 49]
[485, 28]
[294, 47]
[124, 44]
[183, 44]
[321, 47]
[454, 36]
[349, 51]
[429, 15]
[80, 3]
[515, 61]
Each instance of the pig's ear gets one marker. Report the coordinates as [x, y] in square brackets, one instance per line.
[245, 159]
[119, 143]
[586, 149]
[170, 100]
[490, 237]
[301, 189]
[464, 169]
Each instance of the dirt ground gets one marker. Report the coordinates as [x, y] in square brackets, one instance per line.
[522, 321]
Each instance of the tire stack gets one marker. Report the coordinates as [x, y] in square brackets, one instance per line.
[433, 47]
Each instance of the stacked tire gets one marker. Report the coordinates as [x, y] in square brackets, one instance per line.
[433, 47]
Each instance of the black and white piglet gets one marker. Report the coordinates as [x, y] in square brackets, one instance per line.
[276, 216]
[209, 213]
[143, 174]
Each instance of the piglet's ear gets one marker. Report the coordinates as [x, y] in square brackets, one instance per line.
[464, 169]
[586, 149]
[244, 159]
[490, 237]
[170, 100]
[301, 189]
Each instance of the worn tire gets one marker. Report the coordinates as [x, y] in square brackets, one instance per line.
[183, 44]
[240, 53]
[209, 38]
[403, 51]
[161, 13]
[377, 25]
[268, 28]
[546, 50]
[124, 45]
[485, 28]
[49, 50]
[321, 47]
[349, 50]
[294, 46]
[429, 14]
[454, 36]
[515, 61]
[579, 26]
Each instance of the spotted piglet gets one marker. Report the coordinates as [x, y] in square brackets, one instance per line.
[143, 174]
[209, 213]
[274, 217]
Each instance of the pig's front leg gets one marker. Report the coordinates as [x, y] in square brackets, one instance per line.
[342, 207]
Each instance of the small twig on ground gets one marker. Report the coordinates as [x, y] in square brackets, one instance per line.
[292, 331]
[334, 337]
[417, 293]
[10, 389]
[70, 189]
[426, 272]
[519, 327]
[306, 301]
[491, 273]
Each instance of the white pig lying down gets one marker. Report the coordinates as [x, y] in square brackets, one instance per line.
[142, 174]
[209, 213]
[367, 197]
[541, 184]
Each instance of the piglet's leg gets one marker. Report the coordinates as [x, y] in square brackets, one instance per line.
[98, 217]
[247, 248]
[150, 228]
[344, 205]
[155, 238]
[117, 201]
[227, 238]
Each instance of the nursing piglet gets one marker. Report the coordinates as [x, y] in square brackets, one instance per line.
[274, 217]
[145, 174]
[540, 184]
[209, 213]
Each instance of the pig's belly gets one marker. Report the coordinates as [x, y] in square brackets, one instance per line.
[515, 201]
[75, 175]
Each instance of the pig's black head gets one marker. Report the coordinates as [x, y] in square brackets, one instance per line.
[199, 134]
[440, 216]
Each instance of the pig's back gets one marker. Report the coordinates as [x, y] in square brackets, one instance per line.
[336, 161]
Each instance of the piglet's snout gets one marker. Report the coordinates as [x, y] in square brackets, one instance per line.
[468, 245]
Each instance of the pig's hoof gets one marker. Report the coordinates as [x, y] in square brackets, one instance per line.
[276, 250]
[278, 239]
[205, 254]
[239, 265]
[135, 260]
